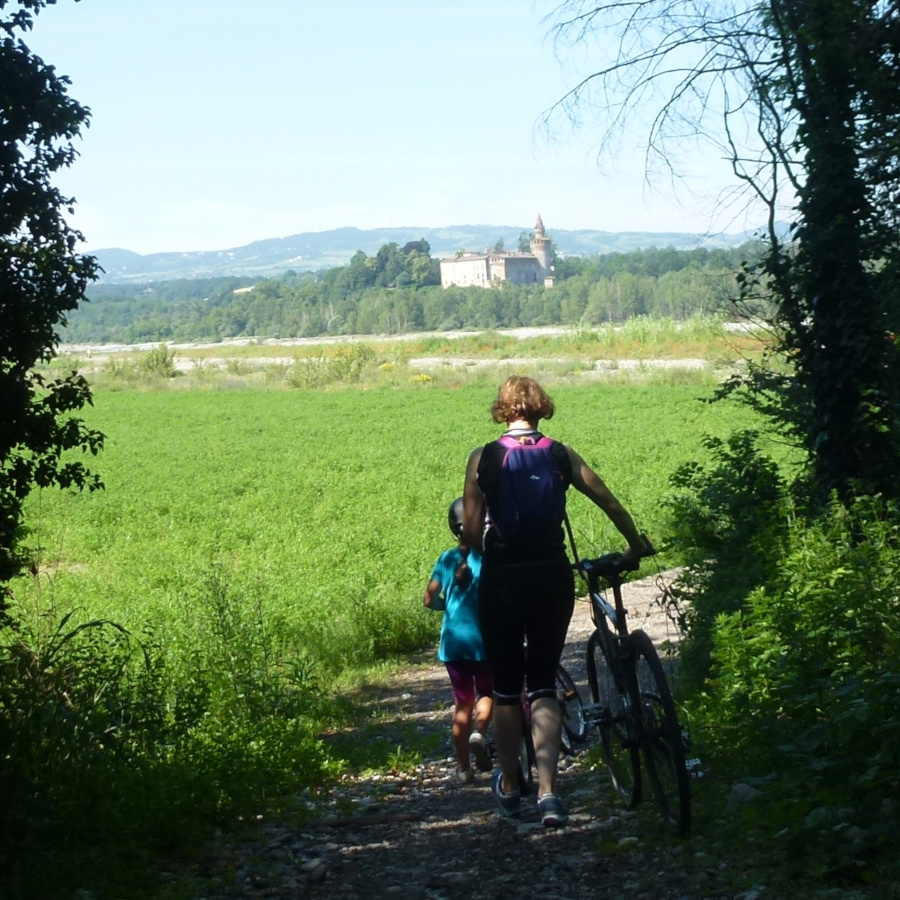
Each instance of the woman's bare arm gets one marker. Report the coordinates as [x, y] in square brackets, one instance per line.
[589, 483]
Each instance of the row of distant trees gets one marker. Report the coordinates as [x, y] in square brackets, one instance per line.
[398, 290]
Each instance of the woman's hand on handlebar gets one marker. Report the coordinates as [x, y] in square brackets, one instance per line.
[634, 554]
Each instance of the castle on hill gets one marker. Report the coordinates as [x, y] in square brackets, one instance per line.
[492, 266]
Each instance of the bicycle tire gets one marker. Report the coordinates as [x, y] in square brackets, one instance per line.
[615, 727]
[574, 730]
[661, 737]
[525, 774]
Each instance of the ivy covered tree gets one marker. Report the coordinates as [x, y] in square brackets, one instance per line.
[803, 98]
[835, 275]
[42, 278]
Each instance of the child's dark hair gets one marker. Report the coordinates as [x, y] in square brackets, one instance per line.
[455, 517]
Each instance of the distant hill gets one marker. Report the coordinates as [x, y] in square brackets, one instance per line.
[316, 250]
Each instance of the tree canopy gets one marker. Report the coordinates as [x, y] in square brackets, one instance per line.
[803, 99]
[42, 278]
[589, 290]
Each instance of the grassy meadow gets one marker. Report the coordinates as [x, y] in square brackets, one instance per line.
[187, 635]
[190, 642]
[320, 512]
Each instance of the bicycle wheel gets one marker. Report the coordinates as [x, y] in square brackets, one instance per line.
[661, 740]
[526, 762]
[574, 730]
[615, 726]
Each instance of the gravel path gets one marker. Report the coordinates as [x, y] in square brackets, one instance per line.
[411, 834]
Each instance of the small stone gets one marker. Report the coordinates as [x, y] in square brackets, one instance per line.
[742, 795]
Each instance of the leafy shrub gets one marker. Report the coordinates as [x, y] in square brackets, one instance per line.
[727, 522]
[159, 362]
[792, 650]
[156, 363]
[110, 741]
[384, 630]
[237, 668]
[79, 705]
[809, 675]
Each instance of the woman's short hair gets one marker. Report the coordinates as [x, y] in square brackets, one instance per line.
[520, 397]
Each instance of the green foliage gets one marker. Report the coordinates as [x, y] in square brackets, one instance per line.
[159, 362]
[99, 746]
[829, 379]
[400, 760]
[729, 545]
[792, 655]
[41, 280]
[344, 366]
[807, 678]
[155, 364]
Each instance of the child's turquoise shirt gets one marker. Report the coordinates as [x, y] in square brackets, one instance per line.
[460, 634]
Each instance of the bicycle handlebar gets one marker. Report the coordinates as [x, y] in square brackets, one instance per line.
[612, 565]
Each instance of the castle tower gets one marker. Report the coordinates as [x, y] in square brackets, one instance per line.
[540, 247]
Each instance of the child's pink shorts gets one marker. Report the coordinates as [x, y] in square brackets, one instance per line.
[470, 680]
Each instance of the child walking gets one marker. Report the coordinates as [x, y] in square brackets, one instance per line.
[453, 588]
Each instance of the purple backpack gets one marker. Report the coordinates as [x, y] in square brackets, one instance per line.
[532, 496]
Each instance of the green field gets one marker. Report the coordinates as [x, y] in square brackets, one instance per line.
[263, 549]
[321, 512]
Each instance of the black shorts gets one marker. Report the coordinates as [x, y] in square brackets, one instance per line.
[530, 601]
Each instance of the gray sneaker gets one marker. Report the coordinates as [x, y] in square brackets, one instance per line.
[553, 812]
[510, 804]
[462, 777]
[478, 746]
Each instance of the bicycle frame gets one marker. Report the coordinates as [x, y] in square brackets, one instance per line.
[604, 615]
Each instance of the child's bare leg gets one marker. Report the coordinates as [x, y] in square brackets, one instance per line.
[483, 710]
[462, 715]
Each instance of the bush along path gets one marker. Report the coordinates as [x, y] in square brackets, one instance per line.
[408, 832]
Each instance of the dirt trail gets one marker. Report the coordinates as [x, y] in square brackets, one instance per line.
[414, 835]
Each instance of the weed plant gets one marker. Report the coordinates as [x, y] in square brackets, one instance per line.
[153, 365]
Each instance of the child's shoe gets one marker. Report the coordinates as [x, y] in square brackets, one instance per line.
[462, 777]
[478, 746]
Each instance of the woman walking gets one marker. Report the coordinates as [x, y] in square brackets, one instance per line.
[513, 510]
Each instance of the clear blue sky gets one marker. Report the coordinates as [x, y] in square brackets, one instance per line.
[219, 122]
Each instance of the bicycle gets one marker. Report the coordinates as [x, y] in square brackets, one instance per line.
[631, 704]
[575, 728]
